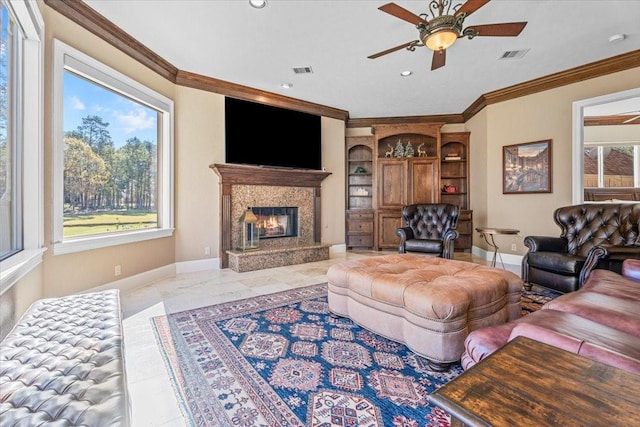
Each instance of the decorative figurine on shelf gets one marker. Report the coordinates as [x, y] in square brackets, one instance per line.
[408, 150]
[399, 151]
[389, 152]
[449, 189]
[360, 169]
[421, 152]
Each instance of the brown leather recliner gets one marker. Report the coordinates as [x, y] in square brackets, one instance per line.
[430, 228]
[594, 235]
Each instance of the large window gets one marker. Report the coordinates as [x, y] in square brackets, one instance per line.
[21, 124]
[113, 156]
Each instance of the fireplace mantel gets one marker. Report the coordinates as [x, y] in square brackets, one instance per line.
[260, 175]
[242, 175]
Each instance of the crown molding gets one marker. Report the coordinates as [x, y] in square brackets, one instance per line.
[233, 90]
[603, 67]
[92, 21]
[619, 120]
[78, 12]
[441, 118]
[95, 23]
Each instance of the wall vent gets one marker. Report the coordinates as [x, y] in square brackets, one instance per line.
[514, 54]
[303, 70]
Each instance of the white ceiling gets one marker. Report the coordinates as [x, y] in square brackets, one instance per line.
[231, 41]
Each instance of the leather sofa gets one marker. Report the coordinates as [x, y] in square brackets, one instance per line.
[594, 236]
[600, 321]
[430, 228]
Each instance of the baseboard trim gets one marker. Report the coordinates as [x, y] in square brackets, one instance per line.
[138, 280]
[508, 259]
[337, 249]
[197, 265]
[148, 277]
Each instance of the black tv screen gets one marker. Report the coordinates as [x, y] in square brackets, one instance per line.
[258, 134]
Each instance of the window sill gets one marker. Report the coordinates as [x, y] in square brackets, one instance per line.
[19, 265]
[90, 243]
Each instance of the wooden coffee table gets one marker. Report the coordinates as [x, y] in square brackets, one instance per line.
[528, 383]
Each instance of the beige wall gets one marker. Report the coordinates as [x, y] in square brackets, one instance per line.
[333, 189]
[544, 115]
[621, 134]
[199, 142]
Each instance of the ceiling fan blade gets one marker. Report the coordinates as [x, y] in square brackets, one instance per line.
[402, 13]
[439, 57]
[507, 29]
[393, 49]
[631, 120]
[471, 6]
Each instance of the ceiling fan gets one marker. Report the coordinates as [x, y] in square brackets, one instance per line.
[444, 26]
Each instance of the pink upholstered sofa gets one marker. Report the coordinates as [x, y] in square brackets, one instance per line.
[600, 321]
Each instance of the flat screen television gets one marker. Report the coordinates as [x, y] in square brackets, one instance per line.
[264, 135]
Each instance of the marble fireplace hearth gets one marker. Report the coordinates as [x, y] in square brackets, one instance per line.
[244, 186]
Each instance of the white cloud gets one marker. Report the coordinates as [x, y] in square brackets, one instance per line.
[135, 121]
[76, 104]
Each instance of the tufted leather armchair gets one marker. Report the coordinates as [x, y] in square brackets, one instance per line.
[429, 229]
[594, 235]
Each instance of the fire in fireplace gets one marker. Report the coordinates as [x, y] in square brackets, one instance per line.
[276, 222]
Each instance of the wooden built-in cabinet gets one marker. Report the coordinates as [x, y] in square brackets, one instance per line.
[405, 180]
[454, 182]
[379, 183]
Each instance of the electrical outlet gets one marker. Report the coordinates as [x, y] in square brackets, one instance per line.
[207, 250]
[514, 247]
[117, 270]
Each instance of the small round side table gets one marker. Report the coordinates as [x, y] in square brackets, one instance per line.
[492, 231]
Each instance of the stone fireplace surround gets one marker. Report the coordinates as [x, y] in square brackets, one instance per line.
[243, 186]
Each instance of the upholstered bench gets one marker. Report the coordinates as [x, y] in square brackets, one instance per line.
[429, 304]
[62, 364]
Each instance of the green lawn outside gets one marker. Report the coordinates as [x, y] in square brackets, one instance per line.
[107, 222]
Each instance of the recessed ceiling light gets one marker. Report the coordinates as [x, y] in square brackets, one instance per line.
[406, 73]
[287, 85]
[258, 4]
[617, 38]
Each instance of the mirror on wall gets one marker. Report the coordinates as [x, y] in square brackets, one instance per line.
[606, 148]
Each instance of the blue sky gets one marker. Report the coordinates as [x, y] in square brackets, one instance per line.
[126, 118]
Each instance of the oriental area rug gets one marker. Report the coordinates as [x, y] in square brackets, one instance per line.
[282, 360]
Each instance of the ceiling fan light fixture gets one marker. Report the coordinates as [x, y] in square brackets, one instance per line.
[441, 40]
[441, 32]
[258, 4]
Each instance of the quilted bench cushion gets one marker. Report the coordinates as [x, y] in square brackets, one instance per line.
[63, 364]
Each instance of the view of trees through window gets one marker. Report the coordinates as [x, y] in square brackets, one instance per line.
[110, 160]
[9, 211]
[614, 162]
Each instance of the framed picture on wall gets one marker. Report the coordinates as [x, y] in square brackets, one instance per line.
[526, 168]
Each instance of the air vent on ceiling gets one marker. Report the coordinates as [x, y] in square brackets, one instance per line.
[514, 54]
[303, 70]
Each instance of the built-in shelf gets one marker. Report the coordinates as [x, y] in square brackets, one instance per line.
[455, 173]
[359, 215]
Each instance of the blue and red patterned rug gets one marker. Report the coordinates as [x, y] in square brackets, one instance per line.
[282, 360]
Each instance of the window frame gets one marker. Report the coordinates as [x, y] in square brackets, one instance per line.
[66, 57]
[30, 129]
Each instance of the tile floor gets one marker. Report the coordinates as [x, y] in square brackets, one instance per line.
[153, 400]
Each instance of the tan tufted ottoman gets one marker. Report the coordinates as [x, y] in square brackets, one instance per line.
[429, 304]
